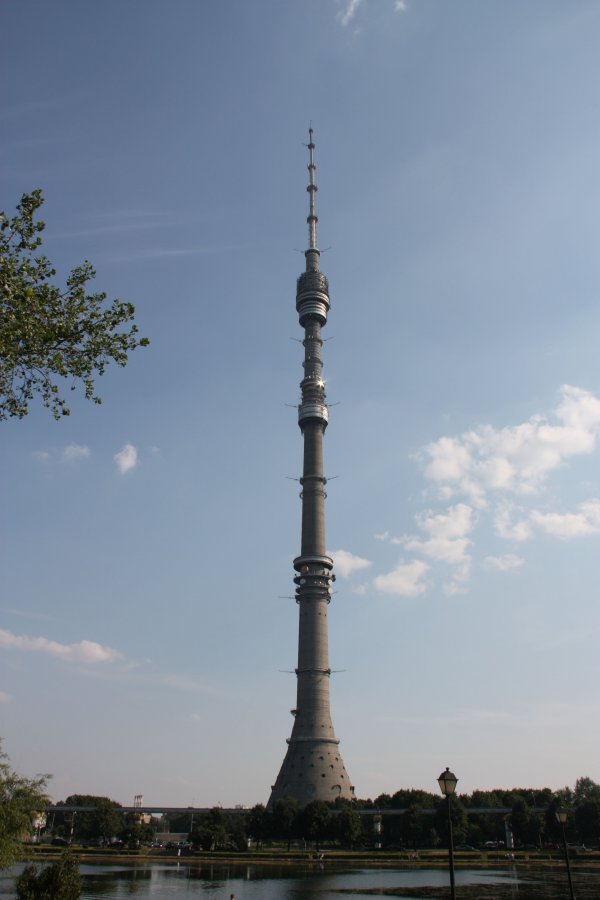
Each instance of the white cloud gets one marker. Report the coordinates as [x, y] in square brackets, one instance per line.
[346, 15]
[70, 453]
[456, 586]
[447, 542]
[455, 522]
[347, 563]
[4, 697]
[585, 521]
[450, 460]
[516, 458]
[520, 530]
[73, 452]
[496, 476]
[569, 525]
[405, 580]
[441, 549]
[503, 563]
[82, 652]
[126, 459]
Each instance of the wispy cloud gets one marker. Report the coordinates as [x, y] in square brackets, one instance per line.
[135, 674]
[184, 683]
[503, 563]
[349, 8]
[347, 13]
[119, 221]
[70, 453]
[82, 652]
[480, 716]
[27, 614]
[347, 563]
[126, 459]
[73, 452]
[163, 253]
[4, 697]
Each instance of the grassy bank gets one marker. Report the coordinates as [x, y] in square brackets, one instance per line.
[279, 857]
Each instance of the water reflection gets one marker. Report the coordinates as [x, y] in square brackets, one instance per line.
[313, 881]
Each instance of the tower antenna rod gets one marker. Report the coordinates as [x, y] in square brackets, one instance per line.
[312, 190]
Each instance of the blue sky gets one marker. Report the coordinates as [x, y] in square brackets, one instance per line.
[146, 545]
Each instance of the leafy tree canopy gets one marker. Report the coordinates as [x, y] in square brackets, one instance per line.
[285, 814]
[526, 824]
[210, 831]
[483, 799]
[316, 821]
[286, 818]
[348, 826]
[586, 790]
[406, 797]
[20, 799]
[47, 332]
[258, 823]
[134, 832]
[106, 821]
[59, 881]
[458, 818]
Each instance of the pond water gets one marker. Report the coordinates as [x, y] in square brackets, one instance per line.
[157, 881]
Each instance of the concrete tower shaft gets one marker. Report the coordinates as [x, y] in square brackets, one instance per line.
[313, 768]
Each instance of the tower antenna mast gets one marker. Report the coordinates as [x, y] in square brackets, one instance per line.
[312, 768]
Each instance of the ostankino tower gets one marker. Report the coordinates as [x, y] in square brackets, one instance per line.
[313, 768]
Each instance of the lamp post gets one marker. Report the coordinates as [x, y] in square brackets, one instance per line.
[561, 818]
[447, 782]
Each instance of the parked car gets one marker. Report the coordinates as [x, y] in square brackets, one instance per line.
[59, 842]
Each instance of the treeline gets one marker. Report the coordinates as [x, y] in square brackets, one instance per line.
[107, 823]
[529, 814]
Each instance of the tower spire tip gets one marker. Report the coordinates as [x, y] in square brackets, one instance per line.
[312, 253]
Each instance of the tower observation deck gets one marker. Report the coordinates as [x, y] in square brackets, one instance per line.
[312, 768]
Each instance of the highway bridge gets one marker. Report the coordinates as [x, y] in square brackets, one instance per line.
[240, 810]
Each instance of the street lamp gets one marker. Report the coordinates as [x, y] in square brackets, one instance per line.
[561, 818]
[447, 782]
